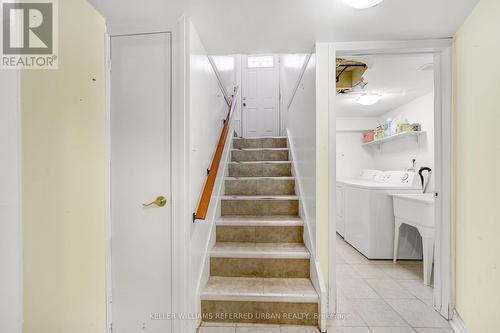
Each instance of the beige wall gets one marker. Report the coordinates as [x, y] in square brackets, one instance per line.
[323, 86]
[63, 152]
[477, 154]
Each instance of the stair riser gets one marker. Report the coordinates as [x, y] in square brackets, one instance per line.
[260, 234]
[259, 155]
[260, 170]
[260, 207]
[260, 187]
[260, 143]
[255, 312]
[255, 267]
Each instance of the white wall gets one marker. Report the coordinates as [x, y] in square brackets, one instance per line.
[10, 215]
[307, 130]
[397, 154]
[290, 68]
[301, 127]
[207, 110]
[352, 157]
[229, 68]
[226, 66]
[356, 124]
[198, 113]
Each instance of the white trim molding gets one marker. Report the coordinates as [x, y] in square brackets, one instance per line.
[457, 324]
[443, 263]
[109, 294]
[181, 213]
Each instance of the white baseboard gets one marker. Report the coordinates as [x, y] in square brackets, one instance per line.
[316, 274]
[319, 285]
[457, 323]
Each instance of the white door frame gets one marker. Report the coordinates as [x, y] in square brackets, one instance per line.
[181, 213]
[179, 268]
[442, 51]
[109, 295]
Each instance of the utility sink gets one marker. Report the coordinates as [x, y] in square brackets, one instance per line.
[417, 210]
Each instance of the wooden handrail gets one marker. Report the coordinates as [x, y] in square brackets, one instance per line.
[201, 212]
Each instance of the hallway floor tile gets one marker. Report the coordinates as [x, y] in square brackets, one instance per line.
[378, 296]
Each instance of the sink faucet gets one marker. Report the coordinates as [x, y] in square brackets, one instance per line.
[412, 168]
[425, 183]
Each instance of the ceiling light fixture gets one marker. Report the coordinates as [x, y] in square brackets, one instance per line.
[368, 99]
[362, 4]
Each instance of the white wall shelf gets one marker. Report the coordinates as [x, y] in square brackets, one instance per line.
[395, 137]
[352, 130]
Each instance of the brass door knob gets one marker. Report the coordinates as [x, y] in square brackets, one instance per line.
[160, 202]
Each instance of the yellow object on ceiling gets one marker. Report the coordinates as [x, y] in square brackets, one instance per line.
[349, 74]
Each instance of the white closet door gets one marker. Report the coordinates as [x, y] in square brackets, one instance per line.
[140, 172]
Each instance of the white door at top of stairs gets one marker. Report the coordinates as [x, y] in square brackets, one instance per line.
[260, 95]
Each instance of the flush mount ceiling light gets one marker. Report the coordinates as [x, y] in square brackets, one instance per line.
[368, 99]
[362, 4]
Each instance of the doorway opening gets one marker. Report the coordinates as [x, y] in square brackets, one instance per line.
[392, 194]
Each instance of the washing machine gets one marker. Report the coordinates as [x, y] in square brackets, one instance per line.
[368, 175]
[368, 217]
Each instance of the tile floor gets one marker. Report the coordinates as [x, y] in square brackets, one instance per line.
[254, 328]
[381, 297]
[373, 297]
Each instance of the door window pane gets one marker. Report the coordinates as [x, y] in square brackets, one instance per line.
[260, 61]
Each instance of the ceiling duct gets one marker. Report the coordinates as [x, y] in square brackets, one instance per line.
[349, 74]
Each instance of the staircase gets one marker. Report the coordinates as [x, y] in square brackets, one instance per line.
[259, 266]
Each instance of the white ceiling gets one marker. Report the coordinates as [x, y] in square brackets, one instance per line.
[288, 26]
[398, 78]
[292, 26]
[136, 16]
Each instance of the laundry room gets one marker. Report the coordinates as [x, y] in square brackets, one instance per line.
[385, 115]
